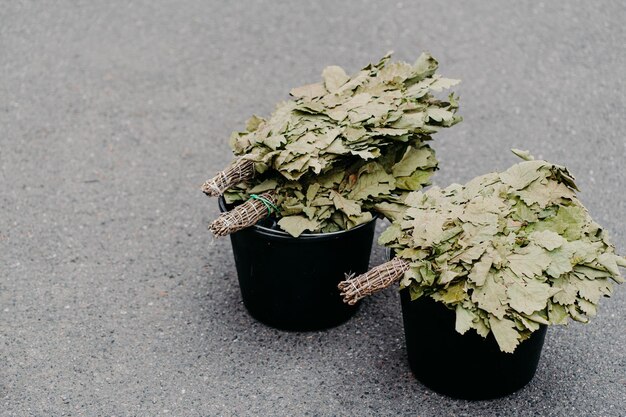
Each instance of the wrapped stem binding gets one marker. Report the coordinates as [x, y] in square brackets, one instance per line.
[245, 215]
[239, 171]
[374, 280]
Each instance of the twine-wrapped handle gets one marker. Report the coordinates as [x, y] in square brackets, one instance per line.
[374, 280]
[244, 215]
[240, 171]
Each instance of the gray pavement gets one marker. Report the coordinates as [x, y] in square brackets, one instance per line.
[115, 300]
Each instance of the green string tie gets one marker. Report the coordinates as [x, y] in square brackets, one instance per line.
[268, 204]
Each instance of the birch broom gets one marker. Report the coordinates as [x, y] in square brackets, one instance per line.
[383, 114]
[507, 252]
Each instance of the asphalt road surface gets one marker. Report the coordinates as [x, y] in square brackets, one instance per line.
[114, 298]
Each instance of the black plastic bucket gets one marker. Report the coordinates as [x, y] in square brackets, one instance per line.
[291, 283]
[463, 366]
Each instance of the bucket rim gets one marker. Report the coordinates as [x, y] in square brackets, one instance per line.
[305, 236]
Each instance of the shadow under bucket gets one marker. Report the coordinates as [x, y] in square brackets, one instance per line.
[291, 283]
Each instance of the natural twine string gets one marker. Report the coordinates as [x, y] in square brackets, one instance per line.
[269, 204]
[244, 215]
[241, 170]
[354, 288]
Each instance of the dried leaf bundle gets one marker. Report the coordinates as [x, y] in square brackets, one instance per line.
[345, 116]
[345, 147]
[507, 251]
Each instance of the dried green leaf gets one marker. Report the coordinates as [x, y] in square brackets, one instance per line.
[491, 297]
[609, 261]
[266, 185]
[530, 296]
[560, 261]
[349, 207]
[334, 77]
[295, 225]
[529, 261]
[391, 211]
[373, 182]
[521, 175]
[391, 234]
[557, 314]
[525, 155]
[308, 91]
[443, 83]
[452, 294]
[464, 319]
[439, 115]
[505, 333]
[425, 66]
[547, 239]
[479, 271]
[412, 160]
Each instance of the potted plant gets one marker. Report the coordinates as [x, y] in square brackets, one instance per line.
[301, 198]
[484, 268]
